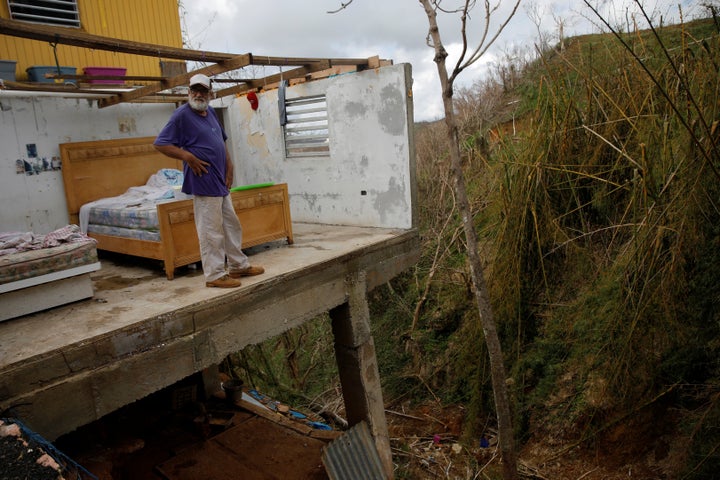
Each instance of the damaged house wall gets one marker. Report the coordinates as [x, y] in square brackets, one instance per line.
[366, 180]
[368, 177]
[32, 127]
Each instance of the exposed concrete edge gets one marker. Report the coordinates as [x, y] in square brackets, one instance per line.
[60, 391]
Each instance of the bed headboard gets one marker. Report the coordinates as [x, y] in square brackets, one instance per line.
[106, 168]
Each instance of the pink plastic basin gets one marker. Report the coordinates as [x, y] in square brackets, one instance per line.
[105, 71]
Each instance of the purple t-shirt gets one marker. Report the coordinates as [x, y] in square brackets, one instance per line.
[204, 138]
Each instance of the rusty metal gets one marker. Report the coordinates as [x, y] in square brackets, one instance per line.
[353, 456]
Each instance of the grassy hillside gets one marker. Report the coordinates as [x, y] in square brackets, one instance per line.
[594, 178]
[599, 212]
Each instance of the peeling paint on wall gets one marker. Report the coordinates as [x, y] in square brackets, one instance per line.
[355, 109]
[391, 115]
[32, 129]
[127, 125]
[257, 142]
[391, 200]
[368, 117]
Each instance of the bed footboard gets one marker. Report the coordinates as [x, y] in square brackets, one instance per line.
[263, 212]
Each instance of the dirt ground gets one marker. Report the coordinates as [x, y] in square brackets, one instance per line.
[163, 437]
[22, 458]
[158, 439]
[426, 445]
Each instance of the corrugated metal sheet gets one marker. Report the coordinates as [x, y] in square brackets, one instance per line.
[353, 456]
[156, 21]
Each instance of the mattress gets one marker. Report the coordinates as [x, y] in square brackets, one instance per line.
[34, 263]
[134, 213]
[120, 219]
[151, 235]
[121, 214]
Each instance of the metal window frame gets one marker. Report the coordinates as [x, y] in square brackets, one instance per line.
[63, 13]
[306, 132]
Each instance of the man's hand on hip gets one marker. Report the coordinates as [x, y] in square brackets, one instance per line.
[199, 167]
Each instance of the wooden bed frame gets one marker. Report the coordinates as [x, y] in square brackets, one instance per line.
[107, 168]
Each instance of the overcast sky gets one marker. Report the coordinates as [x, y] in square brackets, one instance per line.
[393, 29]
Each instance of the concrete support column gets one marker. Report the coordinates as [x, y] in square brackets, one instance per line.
[211, 380]
[357, 365]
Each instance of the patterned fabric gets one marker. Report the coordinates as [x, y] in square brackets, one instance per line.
[33, 263]
[140, 215]
[15, 242]
[69, 234]
[134, 209]
[166, 177]
[136, 233]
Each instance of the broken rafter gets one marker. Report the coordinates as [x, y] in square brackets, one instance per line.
[131, 78]
[75, 38]
[95, 92]
[178, 80]
[39, 87]
[222, 62]
[269, 80]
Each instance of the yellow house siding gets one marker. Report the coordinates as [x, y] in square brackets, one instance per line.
[146, 21]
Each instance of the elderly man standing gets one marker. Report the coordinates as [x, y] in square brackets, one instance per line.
[194, 135]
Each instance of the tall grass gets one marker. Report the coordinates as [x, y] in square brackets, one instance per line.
[608, 224]
[597, 202]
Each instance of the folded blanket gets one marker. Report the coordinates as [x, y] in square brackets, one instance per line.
[166, 177]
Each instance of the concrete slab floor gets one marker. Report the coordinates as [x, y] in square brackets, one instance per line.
[129, 290]
[141, 332]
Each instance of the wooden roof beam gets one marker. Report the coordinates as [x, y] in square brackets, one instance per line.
[178, 80]
[249, 84]
[261, 82]
[52, 87]
[295, 61]
[223, 62]
[67, 36]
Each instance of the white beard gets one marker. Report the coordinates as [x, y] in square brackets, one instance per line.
[199, 105]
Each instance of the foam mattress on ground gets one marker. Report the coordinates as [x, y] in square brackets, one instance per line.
[33, 263]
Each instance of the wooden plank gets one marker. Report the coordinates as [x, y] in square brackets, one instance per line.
[280, 419]
[50, 87]
[178, 80]
[77, 38]
[128, 246]
[273, 79]
[65, 36]
[224, 61]
[142, 78]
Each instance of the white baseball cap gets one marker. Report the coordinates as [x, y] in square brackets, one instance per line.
[200, 79]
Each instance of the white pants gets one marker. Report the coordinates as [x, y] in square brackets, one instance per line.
[220, 235]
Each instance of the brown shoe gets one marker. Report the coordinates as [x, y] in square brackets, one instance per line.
[246, 272]
[224, 282]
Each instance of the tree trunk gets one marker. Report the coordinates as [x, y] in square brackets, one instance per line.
[487, 320]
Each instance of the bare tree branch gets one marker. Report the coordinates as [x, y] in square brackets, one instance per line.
[485, 311]
[482, 45]
[343, 6]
